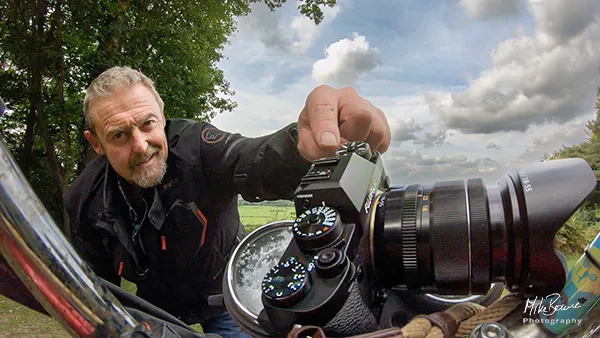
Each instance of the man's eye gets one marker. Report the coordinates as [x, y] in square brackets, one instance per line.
[149, 122]
[118, 135]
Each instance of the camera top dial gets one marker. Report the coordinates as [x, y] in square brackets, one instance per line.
[286, 283]
[317, 227]
[360, 148]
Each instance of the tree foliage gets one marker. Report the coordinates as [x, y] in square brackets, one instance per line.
[579, 231]
[309, 8]
[51, 50]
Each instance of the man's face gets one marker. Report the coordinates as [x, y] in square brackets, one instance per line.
[129, 130]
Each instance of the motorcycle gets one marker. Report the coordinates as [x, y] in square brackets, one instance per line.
[362, 259]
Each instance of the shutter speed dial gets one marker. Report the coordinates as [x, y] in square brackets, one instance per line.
[317, 227]
[360, 148]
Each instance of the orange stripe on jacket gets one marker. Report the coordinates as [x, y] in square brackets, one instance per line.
[205, 226]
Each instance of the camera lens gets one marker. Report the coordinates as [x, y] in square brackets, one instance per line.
[439, 235]
[458, 237]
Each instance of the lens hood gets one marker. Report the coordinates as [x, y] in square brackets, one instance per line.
[548, 193]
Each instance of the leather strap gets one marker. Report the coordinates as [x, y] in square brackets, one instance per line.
[387, 333]
[444, 321]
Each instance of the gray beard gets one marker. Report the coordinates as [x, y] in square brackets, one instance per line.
[150, 176]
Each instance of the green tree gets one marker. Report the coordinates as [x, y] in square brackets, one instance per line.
[30, 44]
[310, 8]
[51, 49]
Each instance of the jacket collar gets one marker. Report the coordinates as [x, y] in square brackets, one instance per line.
[113, 198]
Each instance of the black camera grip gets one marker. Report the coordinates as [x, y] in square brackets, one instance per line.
[353, 319]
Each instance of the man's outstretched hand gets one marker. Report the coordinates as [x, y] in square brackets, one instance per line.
[332, 117]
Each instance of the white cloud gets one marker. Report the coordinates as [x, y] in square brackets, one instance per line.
[560, 20]
[411, 166]
[433, 138]
[549, 77]
[405, 130]
[295, 35]
[484, 9]
[260, 112]
[547, 143]
[306, 31]
[493, 145]
[346, 61]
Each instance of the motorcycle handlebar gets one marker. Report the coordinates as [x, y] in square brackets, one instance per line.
[49, 266]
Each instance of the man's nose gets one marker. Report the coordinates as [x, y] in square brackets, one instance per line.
[139, 140]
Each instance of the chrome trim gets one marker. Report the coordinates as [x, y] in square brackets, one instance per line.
[372, 229]
[454, 300]
[468, 208]
[457, 299]
[230, 292]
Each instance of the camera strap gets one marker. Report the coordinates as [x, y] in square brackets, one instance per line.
[444, 321]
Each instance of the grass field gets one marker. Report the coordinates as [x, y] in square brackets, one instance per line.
[254, 216]
[19, 321]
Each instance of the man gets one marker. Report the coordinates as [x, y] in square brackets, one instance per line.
[159, 208]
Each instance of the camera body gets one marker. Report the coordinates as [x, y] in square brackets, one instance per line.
[317, 276]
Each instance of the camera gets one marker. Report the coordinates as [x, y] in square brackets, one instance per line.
[355, 236]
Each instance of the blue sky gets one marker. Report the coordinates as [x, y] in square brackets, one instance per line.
[470, 87]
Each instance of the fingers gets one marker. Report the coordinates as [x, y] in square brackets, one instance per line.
[332, 117]
[355, 115]
[360, 120]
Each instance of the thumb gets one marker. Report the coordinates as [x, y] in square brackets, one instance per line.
[324, 126]
[322, 117]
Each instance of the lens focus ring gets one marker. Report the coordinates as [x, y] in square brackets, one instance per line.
[450, 237]
[479, 238]
[409, 236]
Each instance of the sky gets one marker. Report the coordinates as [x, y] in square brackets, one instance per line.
[471, 88]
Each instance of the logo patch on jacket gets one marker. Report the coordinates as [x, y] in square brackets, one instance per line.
[212, 135]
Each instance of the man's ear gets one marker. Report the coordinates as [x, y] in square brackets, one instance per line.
[94, 142]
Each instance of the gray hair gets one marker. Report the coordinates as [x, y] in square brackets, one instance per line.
[116, 77]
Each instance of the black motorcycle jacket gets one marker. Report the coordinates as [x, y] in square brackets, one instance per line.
[190, 222]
